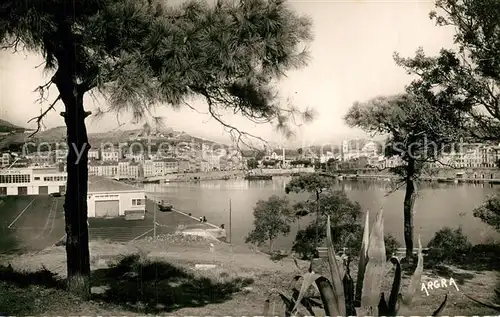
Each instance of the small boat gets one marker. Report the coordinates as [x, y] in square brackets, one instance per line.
[165, 206]
[146, 181]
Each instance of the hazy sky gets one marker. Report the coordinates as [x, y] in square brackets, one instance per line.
[351, 60]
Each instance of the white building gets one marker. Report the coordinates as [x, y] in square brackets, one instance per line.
[127, 170]
[94, 154]
[108, 198]
[106, 169]
[136, 157]
[32, 181]
[5, 160]
[148, 168]
[111, 155]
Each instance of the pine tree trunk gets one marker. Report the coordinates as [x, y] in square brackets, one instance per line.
[409, 202]
[75, 203]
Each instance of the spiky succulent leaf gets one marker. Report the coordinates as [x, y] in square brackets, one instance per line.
[328, 296]
[375, 269]
[298, 277]
[349, 293]
[309, 279]
[336, 274]
[307, 302]
[383, 309]
[289, 303]
[489, 305]
[390, 308]
[363, 259]
[441, 307]
[416, 278]
[396, 284]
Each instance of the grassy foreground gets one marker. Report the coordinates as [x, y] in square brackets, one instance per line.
[159, 277]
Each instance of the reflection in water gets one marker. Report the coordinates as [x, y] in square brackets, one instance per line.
[438, 204]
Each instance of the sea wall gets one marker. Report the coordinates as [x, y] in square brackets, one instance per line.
[288, 171]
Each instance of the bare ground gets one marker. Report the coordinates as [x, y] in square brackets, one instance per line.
[239, 284]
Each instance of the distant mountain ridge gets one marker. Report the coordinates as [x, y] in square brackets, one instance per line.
[58, 134]
[7, 127]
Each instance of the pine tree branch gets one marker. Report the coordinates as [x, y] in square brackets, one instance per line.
[41, 116]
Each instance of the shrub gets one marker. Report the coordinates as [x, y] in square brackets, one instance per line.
[448, 245]
[489, 212]
[391, 244]
[353, 243]
[305, 244]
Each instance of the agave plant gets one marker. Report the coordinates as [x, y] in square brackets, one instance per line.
[489, 305]
[338, 294]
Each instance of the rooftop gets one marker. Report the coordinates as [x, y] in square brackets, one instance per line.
[103, 163]
[101, 184]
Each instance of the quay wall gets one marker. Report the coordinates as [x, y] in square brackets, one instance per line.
[218, 175]
[460, 174]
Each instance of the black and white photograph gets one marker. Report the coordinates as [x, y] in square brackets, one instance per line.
[249, 158]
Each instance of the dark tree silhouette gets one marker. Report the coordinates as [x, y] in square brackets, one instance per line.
[417, 133]
[140, 53]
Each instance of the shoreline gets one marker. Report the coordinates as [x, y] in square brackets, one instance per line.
[448, 177]
[450, 180]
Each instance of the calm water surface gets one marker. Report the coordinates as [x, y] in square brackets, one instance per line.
[437, 205]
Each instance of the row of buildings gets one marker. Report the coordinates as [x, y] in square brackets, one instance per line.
[471, 155]
[118, 163]
[370, 155]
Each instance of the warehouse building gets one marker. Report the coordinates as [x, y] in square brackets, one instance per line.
[32, 181]
[108, 198]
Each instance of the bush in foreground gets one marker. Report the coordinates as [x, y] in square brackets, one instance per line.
[448, 246]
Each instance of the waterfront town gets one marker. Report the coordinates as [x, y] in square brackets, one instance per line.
[121, 162]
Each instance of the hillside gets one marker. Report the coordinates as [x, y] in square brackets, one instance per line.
[58, 134]
[7, 127]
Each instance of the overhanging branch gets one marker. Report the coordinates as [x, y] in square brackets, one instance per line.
[41, 116]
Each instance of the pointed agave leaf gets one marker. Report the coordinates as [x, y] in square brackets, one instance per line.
[306, 302]
[349, 293]
[298, 277]
[396, 284]
[415, 278]
[383, 309]
[375, 268]
[441, 307]
[267, 303]
[287, 301]
[335, 273]
[309, 279]
[363, 259]
[489, 305]
[328, 296]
